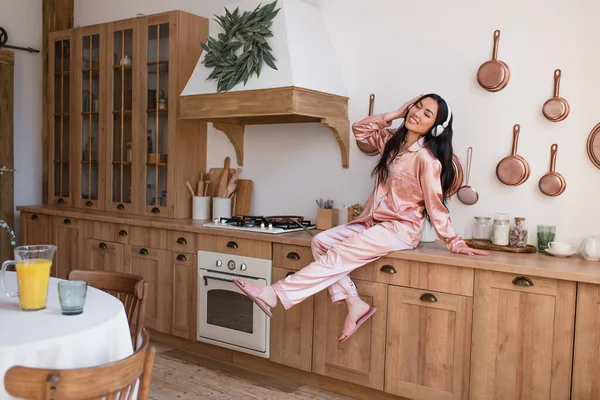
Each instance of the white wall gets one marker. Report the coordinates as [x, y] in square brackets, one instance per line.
[397, 49]
[23, 22]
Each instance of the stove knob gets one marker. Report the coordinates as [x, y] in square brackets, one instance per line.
[270, 226]
[231, 265]
[216, 220]
[219, 263]
[262, 225]
[243, 267]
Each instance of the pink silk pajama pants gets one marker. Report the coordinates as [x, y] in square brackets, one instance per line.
[337, 252]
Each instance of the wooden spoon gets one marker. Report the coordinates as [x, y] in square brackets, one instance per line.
[233, 183]
[189, 188]
[222, 191]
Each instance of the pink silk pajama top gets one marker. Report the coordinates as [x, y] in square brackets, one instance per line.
[413, 185]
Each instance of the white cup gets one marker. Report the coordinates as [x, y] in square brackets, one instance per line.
[221, 207]
[201, 207]
[560, 247]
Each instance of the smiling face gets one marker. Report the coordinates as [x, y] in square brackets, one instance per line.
[422, 116]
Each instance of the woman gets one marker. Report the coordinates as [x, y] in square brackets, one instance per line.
[413, 177]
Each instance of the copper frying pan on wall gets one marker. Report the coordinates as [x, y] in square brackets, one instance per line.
[513, 170]
[553, 184]
[593, 146]
[494, 75]
[458, 176]
[556, 109]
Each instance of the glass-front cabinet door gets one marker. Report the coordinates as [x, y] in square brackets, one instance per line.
[89, 138]
[123, 123]
[160, 117]
[59, 118]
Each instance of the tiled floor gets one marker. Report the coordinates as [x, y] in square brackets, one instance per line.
[181, 375]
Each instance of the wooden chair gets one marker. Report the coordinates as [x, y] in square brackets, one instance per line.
[131, 289]
[112, 381]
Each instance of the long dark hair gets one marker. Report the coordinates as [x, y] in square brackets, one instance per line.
[440, 147]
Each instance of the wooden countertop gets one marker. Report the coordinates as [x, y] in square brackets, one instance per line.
[572, 269]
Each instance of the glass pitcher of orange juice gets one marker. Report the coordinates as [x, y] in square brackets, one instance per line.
[33, 274]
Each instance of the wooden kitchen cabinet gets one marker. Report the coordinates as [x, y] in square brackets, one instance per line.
[151, 264]
[586, 363]
[60, 72]
[65, 236]
[184, 272]
[361, 358]
[428, 344]
[522, 344]
[292, 331]
[102, 255]
[35, 229]
[89, 110]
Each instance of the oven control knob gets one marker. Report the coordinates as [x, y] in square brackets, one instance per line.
[270, 226]
[231, 265]
[243, 267]
[219, 263]
[262, 225]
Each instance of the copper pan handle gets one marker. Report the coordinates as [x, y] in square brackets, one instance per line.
[496, 40]
[553, 152]
[557, 74]
[371, 102]
[516, 130]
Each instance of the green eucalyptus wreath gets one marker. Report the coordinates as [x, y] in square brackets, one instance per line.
[248, 30]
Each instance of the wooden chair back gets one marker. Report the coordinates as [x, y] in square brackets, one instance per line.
[131, 289]
[110, 381]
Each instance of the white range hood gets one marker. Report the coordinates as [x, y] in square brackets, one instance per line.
[306, 87]
[300, 44]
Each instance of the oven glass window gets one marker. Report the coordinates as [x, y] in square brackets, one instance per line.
[230, 310]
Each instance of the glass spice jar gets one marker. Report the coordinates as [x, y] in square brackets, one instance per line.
[482, 229]
[518, 234]
[501, 230]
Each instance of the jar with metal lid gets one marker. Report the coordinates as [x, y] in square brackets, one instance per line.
[518, 234]
[501, 230]
[482, 229]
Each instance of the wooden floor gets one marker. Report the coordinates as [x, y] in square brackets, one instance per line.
[178, 374]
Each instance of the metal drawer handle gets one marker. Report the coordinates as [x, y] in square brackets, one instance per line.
[232, 245]
[144, 252]
[122, 232]
[120, 206]
[181, 257]
[206, 278]
[156, 210]
[388, 269]
[181, 240]
[67, 221]
[61, 201]
[522, 281]
[289, 273]
[428, 297]
[34, 217]
[102, 245]
[89, 203]
[292, 255]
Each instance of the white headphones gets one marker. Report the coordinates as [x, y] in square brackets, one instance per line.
[439, 129]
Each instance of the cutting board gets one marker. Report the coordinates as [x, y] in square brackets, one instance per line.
[242, 194]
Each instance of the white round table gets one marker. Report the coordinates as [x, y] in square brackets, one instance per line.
[48, 339]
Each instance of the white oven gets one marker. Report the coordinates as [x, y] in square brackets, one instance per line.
[226, 317]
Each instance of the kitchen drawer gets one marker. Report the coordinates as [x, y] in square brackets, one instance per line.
[65, 221]
[100, 231]
[142, 236]
[237, 246]
[291, 257]
[420, 275]
[183, 242]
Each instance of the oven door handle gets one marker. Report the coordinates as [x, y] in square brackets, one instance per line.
[207, 277]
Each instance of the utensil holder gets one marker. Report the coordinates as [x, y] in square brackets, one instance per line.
[221, 207]
[327, 218]
[201, 207]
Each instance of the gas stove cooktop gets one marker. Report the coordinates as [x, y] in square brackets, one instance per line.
[273, 224]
